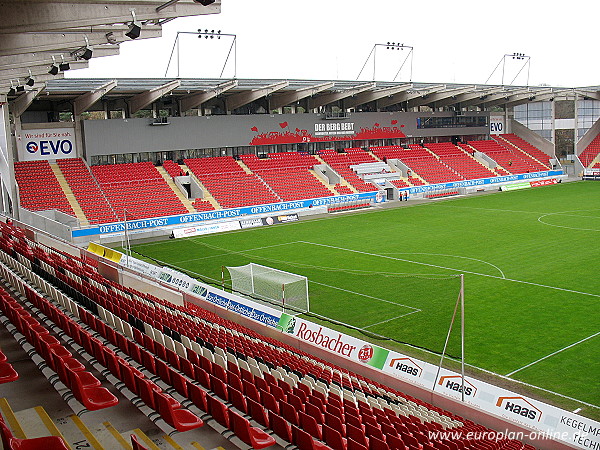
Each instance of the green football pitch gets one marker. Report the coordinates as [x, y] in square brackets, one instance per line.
[531, 265]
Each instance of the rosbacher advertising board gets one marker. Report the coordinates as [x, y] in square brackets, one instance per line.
[544, 420]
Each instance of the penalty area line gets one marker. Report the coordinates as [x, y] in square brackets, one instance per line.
[553, 353]
[365, 295]
[393, 318]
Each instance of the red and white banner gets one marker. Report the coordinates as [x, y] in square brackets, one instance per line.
[544, 182]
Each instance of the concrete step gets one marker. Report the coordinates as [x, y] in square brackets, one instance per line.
[79, 435]
[11, 419]
[69, 194]
[207, 195]
[35, 422]
[328, 186]
[244, 166]
[186, 202]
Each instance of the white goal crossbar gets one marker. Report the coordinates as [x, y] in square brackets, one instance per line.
[280, 289]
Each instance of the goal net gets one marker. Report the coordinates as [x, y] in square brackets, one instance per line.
[282, 290]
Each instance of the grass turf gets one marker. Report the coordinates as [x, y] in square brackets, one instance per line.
[530, 260]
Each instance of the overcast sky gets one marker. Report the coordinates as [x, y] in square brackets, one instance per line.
[454, 42]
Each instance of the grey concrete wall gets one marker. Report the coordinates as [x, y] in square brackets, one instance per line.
[106, 137]
[533, 138]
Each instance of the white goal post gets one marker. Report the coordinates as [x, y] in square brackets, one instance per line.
[280, 289]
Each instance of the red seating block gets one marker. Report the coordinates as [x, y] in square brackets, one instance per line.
[47, 442]
[180, 419]
[250, 435]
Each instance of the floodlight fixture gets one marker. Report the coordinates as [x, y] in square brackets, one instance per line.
[64, 65]
[111, 38]
[135, 28]
[30, 81]
[54, 68]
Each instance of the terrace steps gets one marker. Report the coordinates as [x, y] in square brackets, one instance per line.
[186, 202]
[62, 181]
[328, 186]
[244, 166]
[523, 153]
[207, 196]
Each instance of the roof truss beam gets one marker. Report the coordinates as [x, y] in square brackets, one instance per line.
[22, 102]
[440, 95]
[86, 101]
[196, 99]
[57, 43]
[295, 96]
[144, 99]
[462, 98]
[371, 96]
[594, 95]
[240, 99]
[410, 95]
[326, 99]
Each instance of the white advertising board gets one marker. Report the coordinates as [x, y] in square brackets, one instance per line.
[497, 125]
[46, 144]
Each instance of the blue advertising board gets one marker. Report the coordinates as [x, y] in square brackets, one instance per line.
[482, 181]
[156, 222]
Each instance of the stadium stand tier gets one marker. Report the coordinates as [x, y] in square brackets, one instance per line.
[229, 183]
[106, 193]
[39, 188]
[590, 153]
[172, 168]
[420, 161]
[186, 366]
[87, 191]
[137, 190]
[524, 146]
[288, 174]
[341, 162]
[512, 159]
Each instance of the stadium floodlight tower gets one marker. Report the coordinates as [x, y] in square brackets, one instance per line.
[515, 56]
[207, 34]
[389, 46]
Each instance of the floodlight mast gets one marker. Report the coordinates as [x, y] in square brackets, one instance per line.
[207, 34]
[517, 56]
[389, 46]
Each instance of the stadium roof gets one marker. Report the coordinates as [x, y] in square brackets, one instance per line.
[35, 34]
[190, 93]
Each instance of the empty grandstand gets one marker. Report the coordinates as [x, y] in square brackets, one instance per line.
[103, 347]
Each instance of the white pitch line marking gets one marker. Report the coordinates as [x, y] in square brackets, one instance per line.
[450, 256]
[552, 354]
[564, 226]
[365, 295]
[455, 270]
[226, 251]
[389, 320]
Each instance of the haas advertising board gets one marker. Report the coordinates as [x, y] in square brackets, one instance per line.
[47, 144]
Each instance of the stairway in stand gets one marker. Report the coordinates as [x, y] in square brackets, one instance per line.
[69, 194]
[186, 202]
